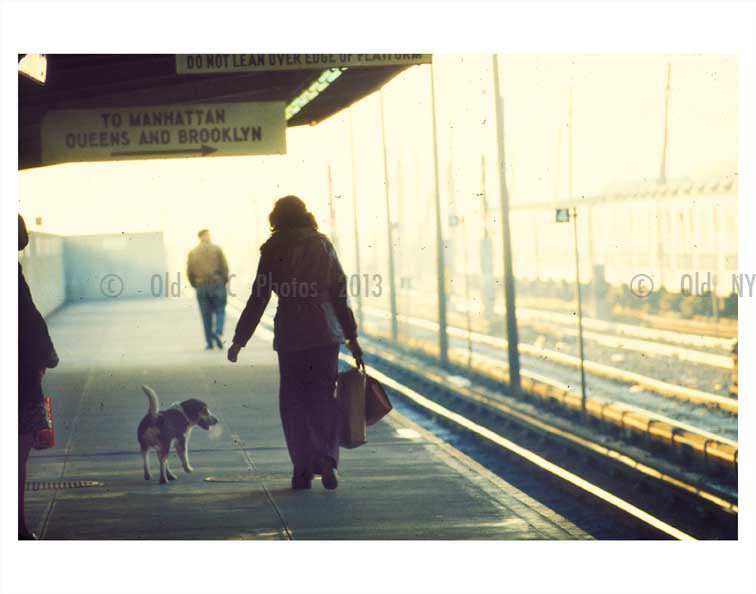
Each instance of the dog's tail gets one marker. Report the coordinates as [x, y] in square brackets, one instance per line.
[152, 397]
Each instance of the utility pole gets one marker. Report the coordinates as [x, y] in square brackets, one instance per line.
[580, 316]
[662, 180]
[443, 339]
[463, 221]
[509, 288]
[389, 225]
[577, 261]
[557, 165]
[332, 210]
[455, 221]
[486, 252]
[569, 148]
[663, 165]
[360, 315]
[589, 216]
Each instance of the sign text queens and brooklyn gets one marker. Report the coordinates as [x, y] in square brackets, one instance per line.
[164, 131]
[257, 128]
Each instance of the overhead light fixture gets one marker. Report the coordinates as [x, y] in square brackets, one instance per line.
[34, 66]
[318, 86]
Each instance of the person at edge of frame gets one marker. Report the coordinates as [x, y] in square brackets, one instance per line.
[36, 354]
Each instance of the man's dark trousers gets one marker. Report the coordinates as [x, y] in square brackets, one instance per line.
[212, 301]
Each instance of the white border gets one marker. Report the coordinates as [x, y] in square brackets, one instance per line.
[540, 27]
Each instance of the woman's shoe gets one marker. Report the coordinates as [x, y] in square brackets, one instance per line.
[328, 476]
[301, 481]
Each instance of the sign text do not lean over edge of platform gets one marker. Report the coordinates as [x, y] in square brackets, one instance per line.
[208, 63]
[166, 131]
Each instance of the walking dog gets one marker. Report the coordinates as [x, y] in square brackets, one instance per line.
[159, 428]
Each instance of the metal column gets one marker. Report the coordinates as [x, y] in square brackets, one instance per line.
[389, 226]
[662, 180]
[580, 315]
[509, 289]
[332, 210]
[443, 340]
[360, 315]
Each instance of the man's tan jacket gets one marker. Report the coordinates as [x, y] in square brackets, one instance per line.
[207, 265]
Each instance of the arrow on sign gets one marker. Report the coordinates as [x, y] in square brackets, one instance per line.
[204, 150]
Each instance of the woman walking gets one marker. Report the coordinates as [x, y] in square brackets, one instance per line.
[301, 266]
[36, 353]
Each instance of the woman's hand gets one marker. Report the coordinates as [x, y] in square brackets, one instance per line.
[233, 352]
[356, 350]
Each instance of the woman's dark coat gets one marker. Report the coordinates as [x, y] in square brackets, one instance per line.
[35, 351]
[301, 266]
[35, 348]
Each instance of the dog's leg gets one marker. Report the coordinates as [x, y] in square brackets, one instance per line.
[165, 474]
[168, 472]
[146, 459]
[163, 477]
[182, 447]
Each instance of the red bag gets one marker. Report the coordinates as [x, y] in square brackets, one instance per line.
[45, 438]
[377, 404]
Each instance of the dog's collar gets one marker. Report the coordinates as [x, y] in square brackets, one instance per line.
[180, 408]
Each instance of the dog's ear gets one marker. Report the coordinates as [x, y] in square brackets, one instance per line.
[193, 408]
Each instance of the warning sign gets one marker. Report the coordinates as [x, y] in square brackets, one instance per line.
[210, 63]
[166, 131]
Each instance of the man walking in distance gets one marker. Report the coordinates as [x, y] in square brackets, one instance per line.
[207, 271]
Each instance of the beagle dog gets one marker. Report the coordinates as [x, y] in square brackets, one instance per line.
[159, 428]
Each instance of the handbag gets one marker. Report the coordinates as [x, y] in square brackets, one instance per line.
[377, 403]
[45, 438]
[350, 392]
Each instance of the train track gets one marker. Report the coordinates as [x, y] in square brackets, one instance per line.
[688, 334]
[649, 347]
[658, 500]
[656, 335]
[535, 356]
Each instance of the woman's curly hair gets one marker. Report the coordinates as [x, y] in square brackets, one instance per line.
[290, 212]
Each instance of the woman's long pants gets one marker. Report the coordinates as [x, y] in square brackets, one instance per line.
[309, 409]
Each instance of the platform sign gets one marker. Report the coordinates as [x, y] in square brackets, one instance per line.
[165, 131]
[214, 63]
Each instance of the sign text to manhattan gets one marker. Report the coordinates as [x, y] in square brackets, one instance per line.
[207, 63]
[164, 131]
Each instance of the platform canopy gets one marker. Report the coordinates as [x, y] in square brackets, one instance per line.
[130, 81]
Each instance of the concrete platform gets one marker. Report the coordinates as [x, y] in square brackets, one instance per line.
[403, 484]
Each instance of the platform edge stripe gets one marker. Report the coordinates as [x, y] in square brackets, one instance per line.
[497, 483]
[481, 397]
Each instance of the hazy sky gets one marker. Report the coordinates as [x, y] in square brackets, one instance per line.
[618, 125]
